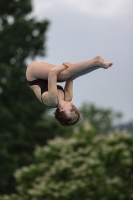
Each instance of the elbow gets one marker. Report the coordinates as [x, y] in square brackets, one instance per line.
[52, 71]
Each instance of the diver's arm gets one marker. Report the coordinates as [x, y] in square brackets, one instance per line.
[52, 84]
[68, 90]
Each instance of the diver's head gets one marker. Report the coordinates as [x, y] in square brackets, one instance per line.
[67, 115]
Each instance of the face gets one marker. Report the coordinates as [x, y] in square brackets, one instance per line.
[69, 109]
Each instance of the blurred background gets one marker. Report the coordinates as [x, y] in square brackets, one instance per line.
[83, 159]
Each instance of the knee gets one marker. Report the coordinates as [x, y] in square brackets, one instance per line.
[64, 75]
[67, 74]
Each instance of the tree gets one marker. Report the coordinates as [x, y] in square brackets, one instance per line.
[101, 119]
[22, 118]
[83, 167]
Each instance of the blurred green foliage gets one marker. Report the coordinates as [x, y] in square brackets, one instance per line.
[82, 167]
[22, 118]
[102, 119]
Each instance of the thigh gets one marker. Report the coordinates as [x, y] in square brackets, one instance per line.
[38, 70]
[41, 70]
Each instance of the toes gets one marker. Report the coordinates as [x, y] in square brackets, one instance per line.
[110, 64]
[107, 65]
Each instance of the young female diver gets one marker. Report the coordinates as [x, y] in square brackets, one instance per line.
[43, 77]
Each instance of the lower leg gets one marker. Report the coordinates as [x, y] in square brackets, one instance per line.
[76, 69]
[83, 72]
[81, 68]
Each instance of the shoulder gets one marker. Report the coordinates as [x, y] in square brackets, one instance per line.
[49, 100]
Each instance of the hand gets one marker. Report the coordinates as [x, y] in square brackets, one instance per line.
[67, 64]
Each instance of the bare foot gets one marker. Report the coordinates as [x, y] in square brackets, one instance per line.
[102, 63]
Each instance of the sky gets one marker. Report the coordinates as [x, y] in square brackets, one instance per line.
[82, 29]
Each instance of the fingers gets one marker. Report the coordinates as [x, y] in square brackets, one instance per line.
[65, 65]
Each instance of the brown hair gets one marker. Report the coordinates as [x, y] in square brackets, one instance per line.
[63, 120]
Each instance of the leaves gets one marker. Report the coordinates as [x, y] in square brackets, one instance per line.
[21, 112]
[101, 119]
[101, 167]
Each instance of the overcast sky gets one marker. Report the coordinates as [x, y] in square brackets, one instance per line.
[82, 29]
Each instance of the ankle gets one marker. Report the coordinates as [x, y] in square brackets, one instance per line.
[98, 61]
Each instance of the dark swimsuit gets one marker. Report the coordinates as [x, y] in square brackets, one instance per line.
[43, 84]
